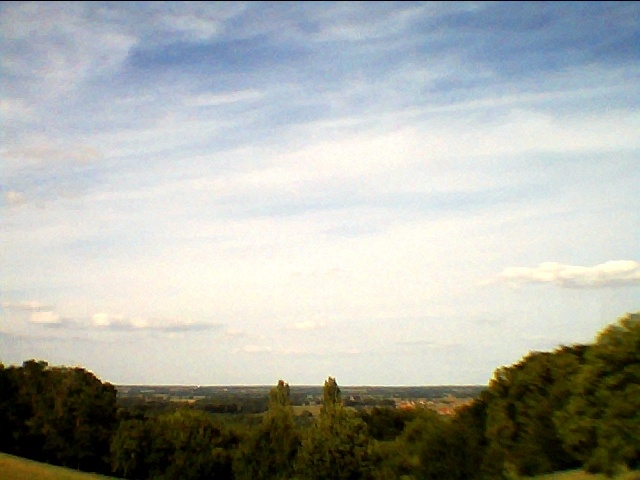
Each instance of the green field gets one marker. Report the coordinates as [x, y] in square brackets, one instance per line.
[15, 468]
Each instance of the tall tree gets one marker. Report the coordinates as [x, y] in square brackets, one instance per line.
[331, 396]
[338, 445]
[269, 453]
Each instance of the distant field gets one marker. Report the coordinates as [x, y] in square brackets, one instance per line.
[580, 475]
[15, 468]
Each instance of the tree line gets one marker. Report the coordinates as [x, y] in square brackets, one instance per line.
[577, 406]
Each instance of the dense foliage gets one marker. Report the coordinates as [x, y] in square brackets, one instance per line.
[64, 416]
[576, 406]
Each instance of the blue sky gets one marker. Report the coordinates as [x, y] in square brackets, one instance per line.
[388, 193]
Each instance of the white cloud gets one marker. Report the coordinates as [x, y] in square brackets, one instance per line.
[104, 319]
[216, 99]
[235, 333]
[308, 325]
[386, 25]
[430, 344]
[432, 155]
[31, 306]
[15, 109]
[172, 327]
[14, 199]
[201, 21]
[38, 154]
[256, 348]
[101, 319]
[39, 170]
[609, 274]
[46, 317]
[295, 351]
[351, 351]
[119, 322]
[138, 322]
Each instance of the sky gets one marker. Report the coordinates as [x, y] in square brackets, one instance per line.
[392, 193]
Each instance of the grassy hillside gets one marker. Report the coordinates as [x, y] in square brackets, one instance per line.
[15, 468]
[581, 475]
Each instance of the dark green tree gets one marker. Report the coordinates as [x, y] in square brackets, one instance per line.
[600, 423]
[523, 399]
[386, 423]
[338, 445]
[270, 451]
[132, 448]
[470, 424]
[58, 415]
[331, 396]
[182, 445]
[79, 427]
[407, 449]
[12, 411]
[444, 453]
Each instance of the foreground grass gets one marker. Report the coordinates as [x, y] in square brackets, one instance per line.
[16, 468]
[581, 475]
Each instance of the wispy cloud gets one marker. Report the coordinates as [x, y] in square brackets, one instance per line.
[217, 99]
[31, 306]
[429, 344]
[15, 109]
[14, 199]
[308, 325]
[255, 349]
[121, 323]
[88, 48]
[45, 317]
[615, 273]
[52, 154]
[236, 333]
[314, 177]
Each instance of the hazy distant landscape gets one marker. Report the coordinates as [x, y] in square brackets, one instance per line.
[255, 399]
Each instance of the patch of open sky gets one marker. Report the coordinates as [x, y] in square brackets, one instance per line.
[442, 204]
[46, 184]
[352, 229]
[153, 134]
[515, 42]
[542, 179]
[103, 246]
[222, 56]
[537, 16]
[622, 163]
[425, 204]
